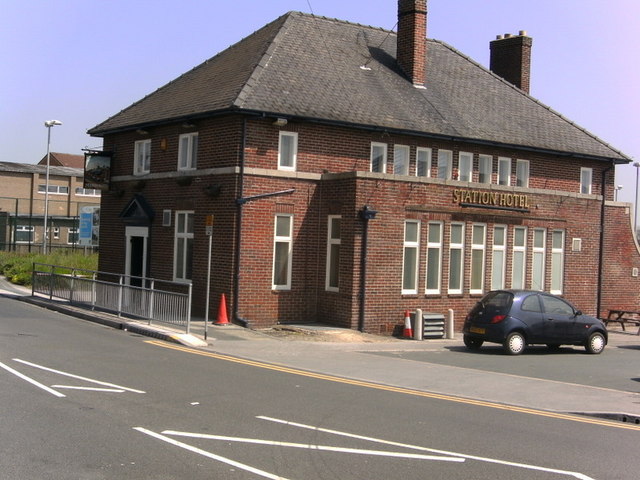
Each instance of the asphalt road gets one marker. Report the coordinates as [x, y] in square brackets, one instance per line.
[79, 400]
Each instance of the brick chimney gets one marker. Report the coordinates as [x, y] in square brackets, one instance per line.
[511, 59]
[412, 39]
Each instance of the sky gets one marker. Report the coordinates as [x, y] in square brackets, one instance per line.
[82, 61]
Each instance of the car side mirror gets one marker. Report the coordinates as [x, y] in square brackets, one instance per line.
[578, 313]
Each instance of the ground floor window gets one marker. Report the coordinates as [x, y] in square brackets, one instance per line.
[557, 261]
[282, 251]
[499, 256]
[24, 234]
[410, 257]
[72, 236]
[456, 258]
[434, 257]
[333, 253]
[478, 243]
[519, 257]
[183, 263]
[539, 258]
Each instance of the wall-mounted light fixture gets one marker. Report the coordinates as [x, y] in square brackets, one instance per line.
[140, 131]
[280, 122]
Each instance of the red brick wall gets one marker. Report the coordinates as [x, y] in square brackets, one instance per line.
[334, 154]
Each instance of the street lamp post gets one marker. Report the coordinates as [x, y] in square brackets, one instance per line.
[635, 208]
[617, 189]
[48, 124]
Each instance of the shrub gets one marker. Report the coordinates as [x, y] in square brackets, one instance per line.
[18, 267]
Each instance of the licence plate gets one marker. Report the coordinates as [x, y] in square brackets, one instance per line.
[477, 330]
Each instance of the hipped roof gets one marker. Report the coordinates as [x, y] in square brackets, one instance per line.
[328, 70]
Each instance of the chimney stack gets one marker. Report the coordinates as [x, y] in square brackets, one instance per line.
[412, 39]
[511, 59]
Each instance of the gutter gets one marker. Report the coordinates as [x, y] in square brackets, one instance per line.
[239, 211]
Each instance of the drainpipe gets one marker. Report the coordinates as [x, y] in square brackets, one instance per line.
[366, 214]
[601, 250]
[238, 245]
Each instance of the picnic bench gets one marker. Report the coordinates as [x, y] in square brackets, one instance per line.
[622, 317]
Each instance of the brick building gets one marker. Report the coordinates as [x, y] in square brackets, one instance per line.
[353, 173]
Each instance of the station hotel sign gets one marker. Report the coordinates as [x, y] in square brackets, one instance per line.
[492, 200]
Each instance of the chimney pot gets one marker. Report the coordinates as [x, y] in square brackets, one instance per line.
[511, 59]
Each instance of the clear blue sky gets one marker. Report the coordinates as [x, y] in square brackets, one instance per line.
[81, 61]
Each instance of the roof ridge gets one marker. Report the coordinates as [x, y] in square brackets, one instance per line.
[532, 98]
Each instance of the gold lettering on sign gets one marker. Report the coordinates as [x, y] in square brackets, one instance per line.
[491, 199]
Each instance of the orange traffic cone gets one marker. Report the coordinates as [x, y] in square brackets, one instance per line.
[222, 312]
[408, 332]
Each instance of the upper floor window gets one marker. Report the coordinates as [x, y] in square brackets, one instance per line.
[287, 151]
[423, 162]
[522, 173]
[465, 166]
[142, 157]
[54, 189]
[378, 157]
[485, 168]
[188, 151]
[586, 177]
[504, 171]
[444, 164]
[401, 160]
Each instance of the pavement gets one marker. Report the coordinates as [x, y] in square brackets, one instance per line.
[369, 358]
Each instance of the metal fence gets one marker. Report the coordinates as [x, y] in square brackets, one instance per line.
[140, 298]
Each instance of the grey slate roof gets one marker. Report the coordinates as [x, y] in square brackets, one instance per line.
[31, 168]
[305, 66]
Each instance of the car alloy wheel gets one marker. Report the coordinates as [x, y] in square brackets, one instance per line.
[596, 343]
[514, 344]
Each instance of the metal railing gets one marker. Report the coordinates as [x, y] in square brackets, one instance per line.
[136, 297]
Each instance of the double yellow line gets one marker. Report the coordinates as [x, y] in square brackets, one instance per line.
[405, 391]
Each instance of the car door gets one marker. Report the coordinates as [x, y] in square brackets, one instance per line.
[559, 319]
[531, 315]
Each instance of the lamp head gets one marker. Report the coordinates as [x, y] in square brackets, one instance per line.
[52, 123]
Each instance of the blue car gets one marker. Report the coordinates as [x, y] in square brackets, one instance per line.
[517, 318]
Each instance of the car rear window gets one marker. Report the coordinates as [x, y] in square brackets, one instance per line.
[497, 303]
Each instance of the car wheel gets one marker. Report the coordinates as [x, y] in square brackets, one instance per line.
[514, 344]
[472, 343]
[595, 343]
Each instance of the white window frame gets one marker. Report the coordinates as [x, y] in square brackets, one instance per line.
[410, 263]
[458, 247]
[88, 192]
[504, 171]
[401, 159]
[56, 233]
[288, 162]
[538, 259]
[54, 189]
[378, 150]
[29, 229]
[522, 173]
[586, 180]
[286, 240]
[499, 250]
[423, 162]
[70, 232]
[485, 168]
[183, 243]
[434, 253]
[142, 157]
[519, 250]
[478, 250]
[188, 151]
[465, 166]
[334, 240]
[557, 262]
[445, 164]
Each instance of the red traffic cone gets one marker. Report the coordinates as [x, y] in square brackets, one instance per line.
[408, 332]
[222, 312]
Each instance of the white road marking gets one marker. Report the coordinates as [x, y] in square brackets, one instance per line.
[31, 380]
[327, 448]
[92, 389]
[78, 377]
[213, 456]
[578, 475]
